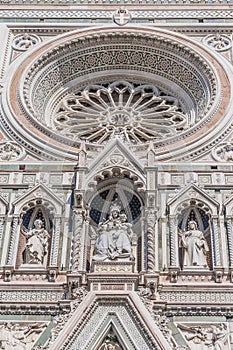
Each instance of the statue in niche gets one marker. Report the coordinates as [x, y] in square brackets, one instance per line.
[195, 247]
[114, 237]
[37, 242]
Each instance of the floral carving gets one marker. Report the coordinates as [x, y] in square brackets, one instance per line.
[138, 113]
[219, 42]
[23, 42]
[10, 151]
[223, 152]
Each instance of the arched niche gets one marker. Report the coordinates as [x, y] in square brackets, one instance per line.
[35, 235]
[119, 190]
[194, 204]
[39, 203]
[197, 211]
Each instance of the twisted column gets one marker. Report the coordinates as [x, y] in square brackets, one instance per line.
[173, 241]
[13, 240]
[78, 218]
[151, 221]
[229, 223]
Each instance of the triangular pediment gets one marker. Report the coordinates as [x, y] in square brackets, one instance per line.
[228, 204]
[3, 205]
[190, 193]
[124, 314]
[116, 156]
[39, 192]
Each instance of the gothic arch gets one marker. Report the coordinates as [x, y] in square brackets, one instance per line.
[194, 204]
[37, 203]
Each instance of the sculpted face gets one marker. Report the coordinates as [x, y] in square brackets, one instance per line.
[115, 214]
[192, 225]
[38, 224]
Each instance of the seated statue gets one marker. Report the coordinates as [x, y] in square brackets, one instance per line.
[195, 247]
[114, 237]
[37, 241]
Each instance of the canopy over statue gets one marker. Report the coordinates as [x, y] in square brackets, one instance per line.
[114, 237]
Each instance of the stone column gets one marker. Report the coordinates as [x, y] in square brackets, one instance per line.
[1, 229]
[151, 222]
[174, 259]
[78, 220]
[15, 229]
[216, 242]
[55, 242]
[229, 223]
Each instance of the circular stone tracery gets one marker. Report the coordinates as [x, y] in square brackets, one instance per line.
[182, 70]
[138, 113]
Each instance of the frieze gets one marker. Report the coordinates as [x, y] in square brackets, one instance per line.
[30, 295]
[197, 297]
[178, 13]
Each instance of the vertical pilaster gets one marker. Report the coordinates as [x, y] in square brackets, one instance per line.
[55, 242]
[216, 242]
[12, 251]
[229, 223]
[173, 241]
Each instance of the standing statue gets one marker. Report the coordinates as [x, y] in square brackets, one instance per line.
[114, 237]
[37, 242]
[195, 247]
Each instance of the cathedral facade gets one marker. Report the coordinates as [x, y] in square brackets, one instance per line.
[116, 175]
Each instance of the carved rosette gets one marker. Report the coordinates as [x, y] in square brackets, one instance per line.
[138, 113]
[11, 151]
[25, 41]
[223, 152]
[219, 42]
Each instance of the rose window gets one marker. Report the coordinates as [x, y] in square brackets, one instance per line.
[136, 112]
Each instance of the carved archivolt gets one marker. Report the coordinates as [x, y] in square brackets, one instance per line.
[170, 92]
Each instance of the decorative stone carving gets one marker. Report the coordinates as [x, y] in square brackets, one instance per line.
[114, 237]
[195, 247]
[37, 241]
[138, 113]
[121, 17]
[79, 218]
[151, 221]
[19, 336]
[206, 336]
[25, 41]
[223, 152]
[219, 42]
[11, 151]
[110, 343]
[61, 319]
